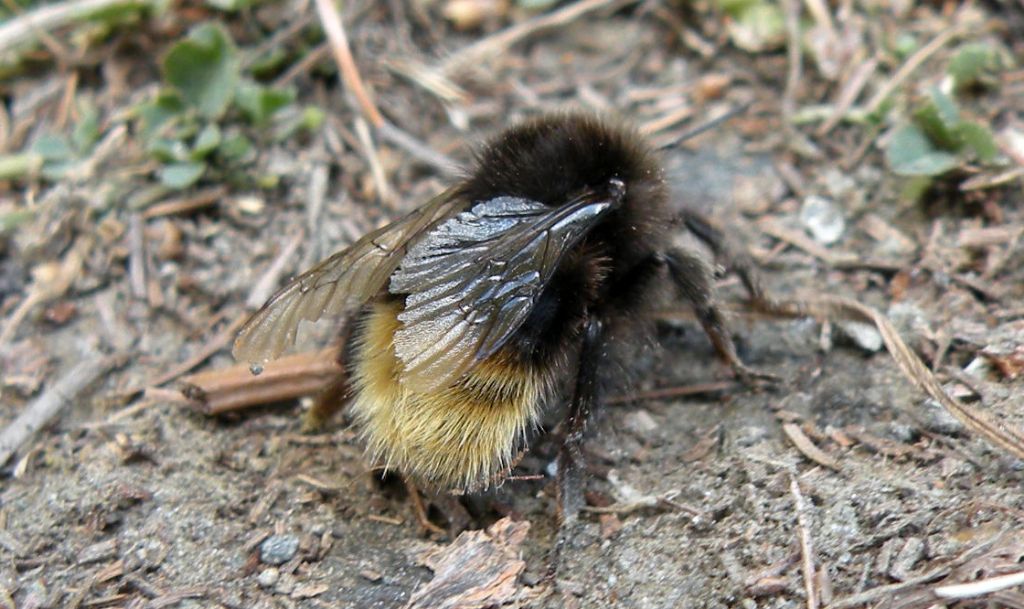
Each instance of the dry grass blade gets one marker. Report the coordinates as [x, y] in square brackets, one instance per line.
[981, 587]
[1006, 437]
[330, 19]
[501, 41]
[806, 545]
[808, 448]
[29, 25]
[51, 281]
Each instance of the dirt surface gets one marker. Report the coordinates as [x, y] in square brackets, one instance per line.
[134, 499]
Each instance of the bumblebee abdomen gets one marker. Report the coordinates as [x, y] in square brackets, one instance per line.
[462, 436]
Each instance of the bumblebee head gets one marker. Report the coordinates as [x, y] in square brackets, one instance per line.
[554, 158]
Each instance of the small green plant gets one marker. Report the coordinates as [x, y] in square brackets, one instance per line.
[755, 25]
[937, 140]
[187, 125]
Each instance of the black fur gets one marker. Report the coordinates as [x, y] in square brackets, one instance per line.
[552, 160]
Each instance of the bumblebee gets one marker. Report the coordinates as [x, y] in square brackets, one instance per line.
[507, 291]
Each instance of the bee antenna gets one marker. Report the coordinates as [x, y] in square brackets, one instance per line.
[708, 125]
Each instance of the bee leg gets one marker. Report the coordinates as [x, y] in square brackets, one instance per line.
[693, 278]
[569, 481]
[420, 509]
[326, 403]
[336, 394]
[732, 258]
[585, 397]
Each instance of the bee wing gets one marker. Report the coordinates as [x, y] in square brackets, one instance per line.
[344, 281]
[471, 282]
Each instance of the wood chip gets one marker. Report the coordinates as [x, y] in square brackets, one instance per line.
[479, 569]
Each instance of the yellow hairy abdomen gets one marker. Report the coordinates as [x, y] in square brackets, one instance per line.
[462, 436]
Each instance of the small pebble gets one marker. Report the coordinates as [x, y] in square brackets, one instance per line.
[937, 419]
[863, 335]
[278, 549]
[268, 577]
[823, 219]
[640, 422]
[908, 556]
[903, 432]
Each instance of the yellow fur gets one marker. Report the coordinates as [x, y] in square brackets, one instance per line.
[459, 437]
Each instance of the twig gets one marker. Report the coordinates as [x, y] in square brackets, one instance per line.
[672, 392]
[308, 60]
[912, 63]
[183, 205]
[1007, 437]
[773, 227]
[808, 448]
[268, 282]
[430, 79]
[806, 547]
[219, 391]
[27, 26]
[53, 286]
[848, 95]
[219, 342]
[37, 414]
[794, 59]
[137, 256]
[373, 160]
[981, 587]
[819, 10]
[666, 499]
[330, 19]
[889, 590]
[441, 162]
[495, 44]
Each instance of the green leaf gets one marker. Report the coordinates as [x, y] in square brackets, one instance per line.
[235, 148]
[87, 130]
[759, 27]
[12, 220]
[205, 69]
[291, 121]
[259, 103]
[53, 148]
[939, 119]
[13, 166]
[975, 63]
[979, 138]
[734, 8]
[158, 113]
[206, 142]
[167, 150]
[229, 5]
[181, 175]
[57, 170]
[911, 153]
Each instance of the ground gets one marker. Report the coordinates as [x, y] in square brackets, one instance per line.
[843, 479]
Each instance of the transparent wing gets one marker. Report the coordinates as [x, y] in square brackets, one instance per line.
[471, 282]
[335, 285]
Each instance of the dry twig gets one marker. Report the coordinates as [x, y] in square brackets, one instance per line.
[37, 414]
[333, 26]
[234, 388]
[1004, 436]
[495, 44]
[806, 547]
[808, 448]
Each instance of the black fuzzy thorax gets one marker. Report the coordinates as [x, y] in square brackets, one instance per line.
[552, 160]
